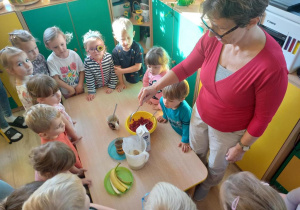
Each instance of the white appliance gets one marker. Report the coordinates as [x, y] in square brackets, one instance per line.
[284, 27]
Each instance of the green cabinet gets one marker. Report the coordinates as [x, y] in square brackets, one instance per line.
[38, 20]
[77, 17]
[177, 35]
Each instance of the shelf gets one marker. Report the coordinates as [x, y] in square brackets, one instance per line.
[294, 79]
[134, 22]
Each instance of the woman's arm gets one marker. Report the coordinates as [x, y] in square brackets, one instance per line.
[147, 92]
[236, 153]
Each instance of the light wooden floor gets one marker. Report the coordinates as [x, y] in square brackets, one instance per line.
[16, 170]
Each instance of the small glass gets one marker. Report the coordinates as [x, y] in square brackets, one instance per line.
[118, 145]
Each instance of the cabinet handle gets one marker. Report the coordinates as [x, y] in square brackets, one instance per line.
[75, 49]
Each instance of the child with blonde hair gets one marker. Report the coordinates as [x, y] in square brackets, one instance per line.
[65, 65]
[99, 66]
[244, 191]
[61, 192]
[177, 111]
[23, 40]
[18, 65]
[44, 89]
[166, 196]
[47, 122]
[157, 61]
[128, 54]
[53, 158]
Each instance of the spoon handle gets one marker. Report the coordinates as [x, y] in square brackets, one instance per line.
[115, 111]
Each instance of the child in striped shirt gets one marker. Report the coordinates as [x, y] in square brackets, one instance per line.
[99, 67]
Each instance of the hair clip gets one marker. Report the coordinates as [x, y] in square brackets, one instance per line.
[99, 48]
[235, 203]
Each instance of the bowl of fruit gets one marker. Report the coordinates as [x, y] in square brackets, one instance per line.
[141, 118]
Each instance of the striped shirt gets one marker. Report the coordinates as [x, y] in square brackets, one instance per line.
[100, 74]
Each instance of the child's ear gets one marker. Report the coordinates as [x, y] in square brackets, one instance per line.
[43, 135]
[40, 100]
[9, 70]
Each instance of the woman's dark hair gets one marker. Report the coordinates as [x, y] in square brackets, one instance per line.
[240, 11]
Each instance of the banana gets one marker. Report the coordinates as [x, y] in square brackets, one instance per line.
[115, 181]
[114, 188]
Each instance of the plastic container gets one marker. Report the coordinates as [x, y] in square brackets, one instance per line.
[135, 152]
[145, 12]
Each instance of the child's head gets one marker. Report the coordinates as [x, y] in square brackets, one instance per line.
[56, 40]
[174, 94]
[16, 200]
[43, 89]
[157, 60]
[63, 191]
[16, 62]
[166, 196]
[123, 32]
[244, 191]
[52, 158]
[45, 120]
[94, 44]
[25, 41]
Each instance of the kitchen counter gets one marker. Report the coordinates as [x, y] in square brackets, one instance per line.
[42, 3]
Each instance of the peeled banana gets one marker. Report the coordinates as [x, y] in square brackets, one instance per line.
[117, 185]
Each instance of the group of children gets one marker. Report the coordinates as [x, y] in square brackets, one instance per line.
[41, 84]
[63, 75]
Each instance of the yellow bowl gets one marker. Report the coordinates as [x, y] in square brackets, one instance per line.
[138, 115]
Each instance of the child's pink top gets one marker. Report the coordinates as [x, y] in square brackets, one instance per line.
[149, 80]
[62, 109]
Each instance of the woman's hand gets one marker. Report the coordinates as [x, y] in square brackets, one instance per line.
[90, 97]
[146, 93]
[234, 154]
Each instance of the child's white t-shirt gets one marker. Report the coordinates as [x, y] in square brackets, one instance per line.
[24, 96]
[66, 68]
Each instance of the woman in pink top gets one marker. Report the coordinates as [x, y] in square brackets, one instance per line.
[244, 79]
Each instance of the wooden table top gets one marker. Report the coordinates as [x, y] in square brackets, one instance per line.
[166, 162]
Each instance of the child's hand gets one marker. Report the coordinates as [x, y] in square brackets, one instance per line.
[109, 90]
[76, 140]
[160, 119]
[79, 89]
[81, 171]
[71, 91]
[118, 70]
[86, 181]
[90, 97]
[185, 147]
[120, 87]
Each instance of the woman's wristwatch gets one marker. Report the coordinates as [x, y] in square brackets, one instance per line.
[245, 148]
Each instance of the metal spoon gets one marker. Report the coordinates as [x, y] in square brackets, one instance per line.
[133, 113]
[114, 111]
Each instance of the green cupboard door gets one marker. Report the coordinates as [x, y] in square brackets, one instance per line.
[92, 15]
[186, 36]
[38, 20]
[162, 26]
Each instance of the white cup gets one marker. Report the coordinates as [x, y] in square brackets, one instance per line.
[135, 152]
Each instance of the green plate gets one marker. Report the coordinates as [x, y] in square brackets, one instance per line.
[122, 172]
